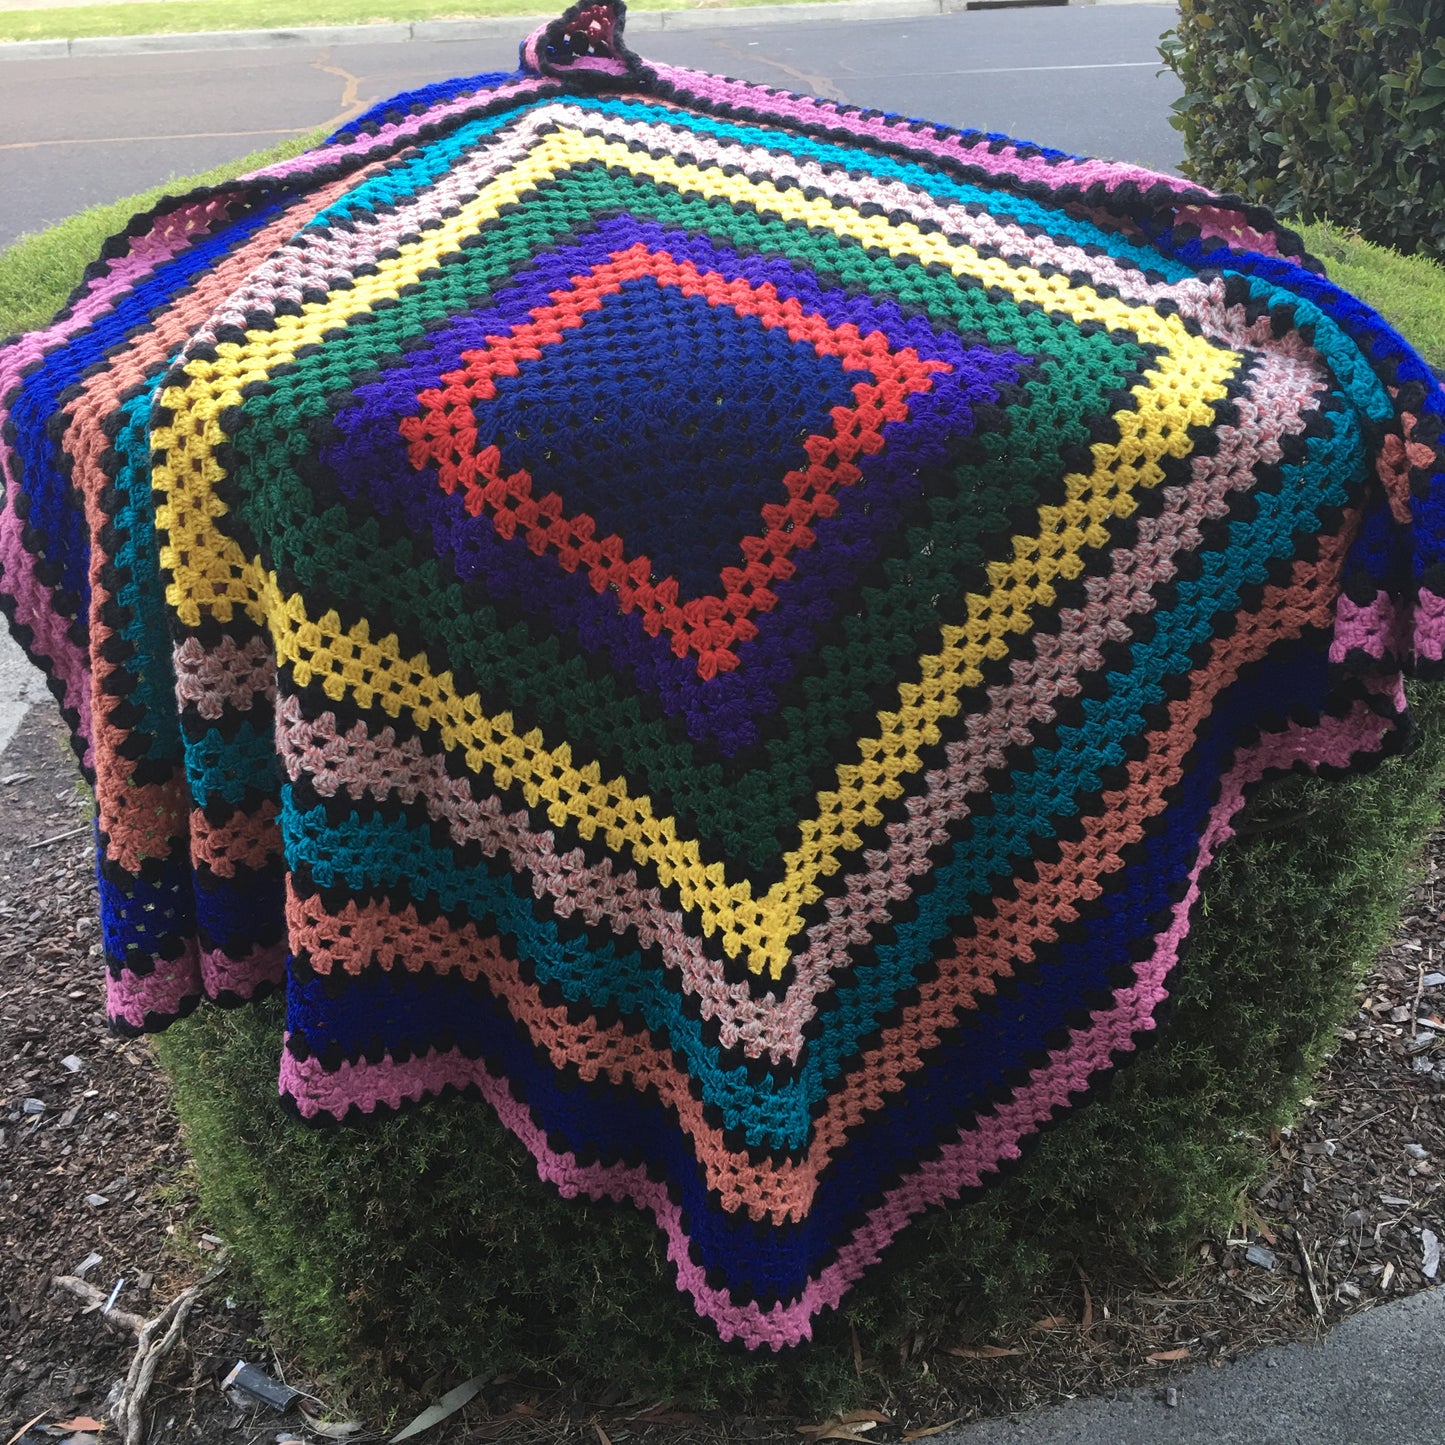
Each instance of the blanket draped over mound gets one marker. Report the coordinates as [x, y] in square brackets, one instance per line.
[723, 624]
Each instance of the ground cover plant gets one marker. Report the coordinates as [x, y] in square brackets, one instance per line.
[175, 17]
[424, 1247]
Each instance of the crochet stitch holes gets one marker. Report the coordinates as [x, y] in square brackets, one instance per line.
[724, 626]
[672, 462]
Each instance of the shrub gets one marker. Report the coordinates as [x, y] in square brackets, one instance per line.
[1320, 109]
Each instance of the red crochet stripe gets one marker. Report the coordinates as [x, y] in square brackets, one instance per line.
[444, 435]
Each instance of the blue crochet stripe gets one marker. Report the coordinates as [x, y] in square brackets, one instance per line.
[52, 513]
[438, 93]
[147, 915]
[224, 768]
[962, 1072]
[150, 915]
[378, 852]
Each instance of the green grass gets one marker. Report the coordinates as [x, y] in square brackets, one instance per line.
[426, 1248]
[38, 272]
[1407, 290]
[175, 17]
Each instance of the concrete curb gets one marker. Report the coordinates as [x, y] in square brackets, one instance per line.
[503, 27]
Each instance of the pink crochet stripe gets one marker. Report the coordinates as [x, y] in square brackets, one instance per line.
[242, 977]
[69, 664]
[1429, 632]
[175, 983]
[385, 139]
[169, 236]
[719, 92]
[165, 991]
[1375, 628]
[1229, 226]
[959, 1166]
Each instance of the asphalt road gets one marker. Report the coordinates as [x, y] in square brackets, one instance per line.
[78, 131]
[1374, 1381]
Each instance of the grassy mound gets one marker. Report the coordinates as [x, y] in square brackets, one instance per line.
[425, 1246]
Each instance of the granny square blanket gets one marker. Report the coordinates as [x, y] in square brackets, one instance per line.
[723, 624]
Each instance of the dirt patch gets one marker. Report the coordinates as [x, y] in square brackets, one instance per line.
[91, 1163]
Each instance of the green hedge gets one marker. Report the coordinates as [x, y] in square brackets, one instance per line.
[1330, 109]
[425, 1246]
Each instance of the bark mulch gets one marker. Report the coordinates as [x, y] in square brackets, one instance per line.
[1349, 1215]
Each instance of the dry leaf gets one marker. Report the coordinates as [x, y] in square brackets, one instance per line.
[1163, 1357]
[449, 1404]
[928, 1430]
[26, 1426]
[602, 1435]
[334, 1429]
[852, 1426]
[81, 1422]
[1051, 1322]
[1250, 1215]
[981, 1352]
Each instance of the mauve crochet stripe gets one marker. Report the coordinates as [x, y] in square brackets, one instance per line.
[315, 259]
[1002, 163]
[1028, 699]
[1016, 928]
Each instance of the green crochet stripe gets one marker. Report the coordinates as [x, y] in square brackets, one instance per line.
[372, 849]
[543, 674]
[141, 599]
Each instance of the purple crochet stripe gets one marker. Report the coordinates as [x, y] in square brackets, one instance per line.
[387, 137]
[725, 708]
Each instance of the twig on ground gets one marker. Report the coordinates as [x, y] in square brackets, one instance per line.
[158, 1337]
[1419, 992]
[1304, 1254]
[95, 1298]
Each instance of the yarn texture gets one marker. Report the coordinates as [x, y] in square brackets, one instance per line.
[725, 625]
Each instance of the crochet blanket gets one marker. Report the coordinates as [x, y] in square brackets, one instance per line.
[722, 624]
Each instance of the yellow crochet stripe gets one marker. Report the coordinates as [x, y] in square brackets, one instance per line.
[211, 575]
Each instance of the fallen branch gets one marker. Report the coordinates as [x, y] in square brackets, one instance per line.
[95, 1298]
[151, 1348]
[1304, 1254]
